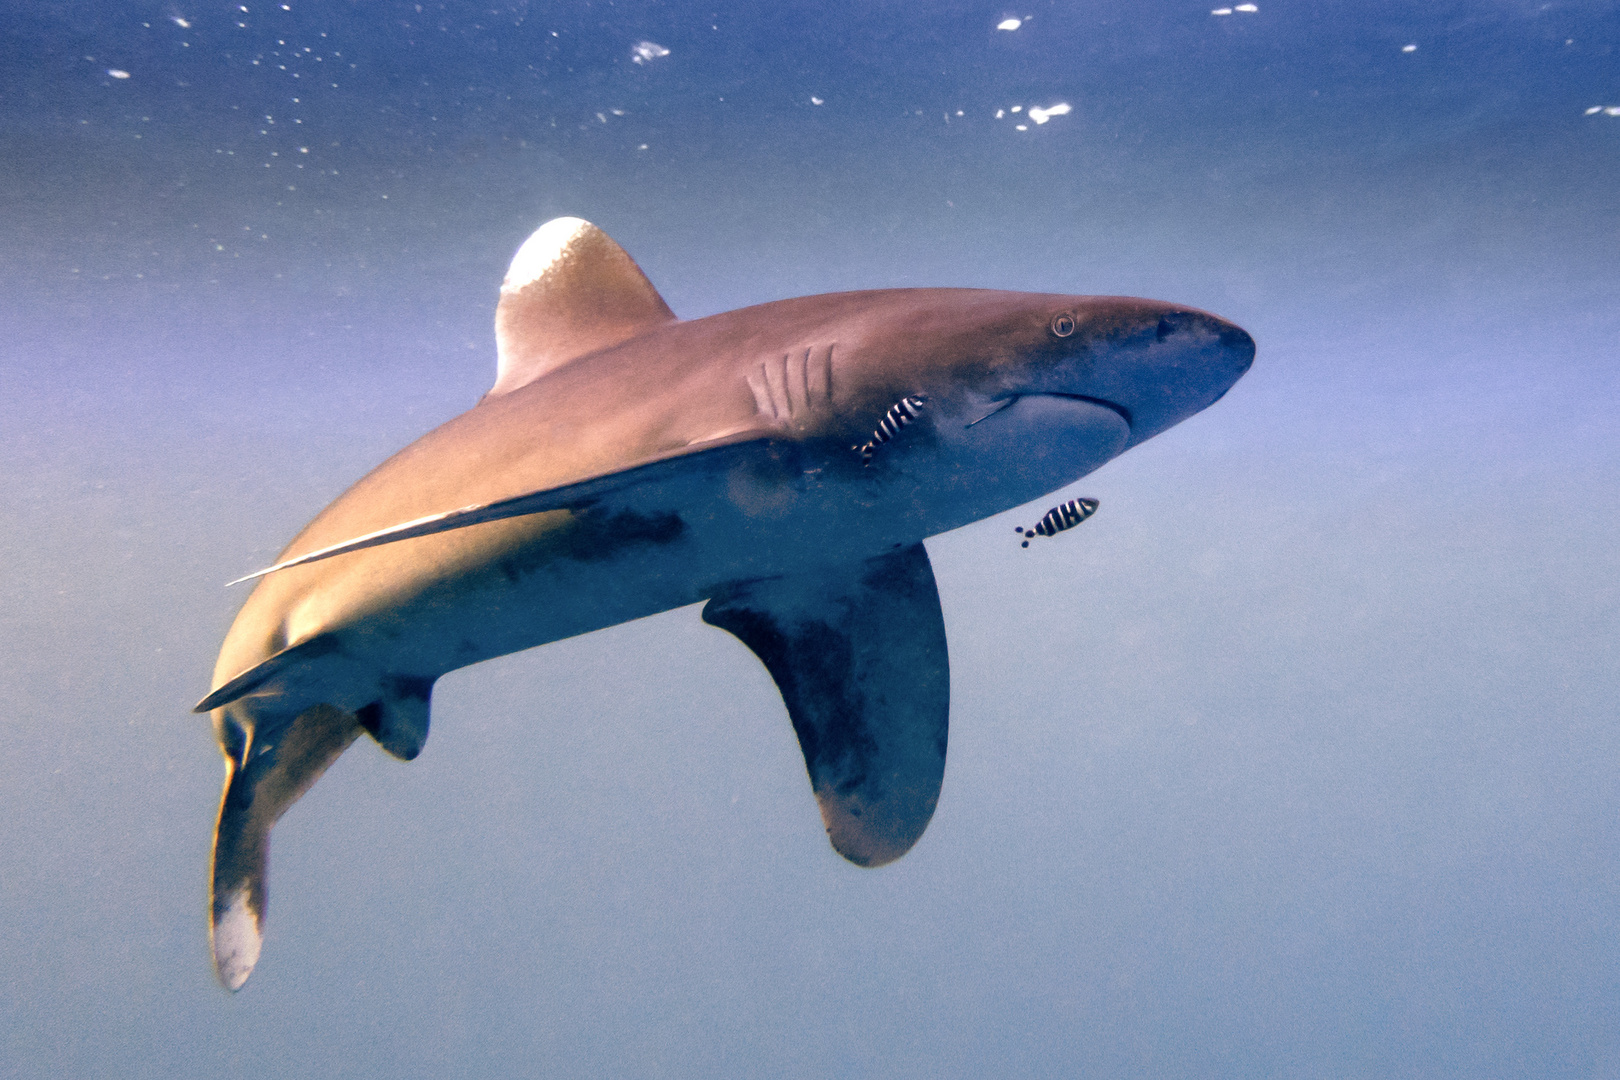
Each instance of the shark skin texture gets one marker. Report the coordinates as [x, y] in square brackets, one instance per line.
[782, 462]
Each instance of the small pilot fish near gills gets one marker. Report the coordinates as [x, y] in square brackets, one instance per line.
[899, 415]
[1059, 518]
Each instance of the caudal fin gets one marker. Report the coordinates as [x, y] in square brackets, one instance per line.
[276, 767]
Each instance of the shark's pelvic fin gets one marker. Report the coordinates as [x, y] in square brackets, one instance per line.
[264, 670]
[570, 291]
[399, 719]
[859, 657]
[275, 768]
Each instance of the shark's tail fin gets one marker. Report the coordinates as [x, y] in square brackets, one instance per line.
[266, 770]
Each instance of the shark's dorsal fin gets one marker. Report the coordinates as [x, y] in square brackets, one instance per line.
[570, 291]
[858, 653]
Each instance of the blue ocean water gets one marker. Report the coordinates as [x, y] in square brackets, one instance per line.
[1298, 759]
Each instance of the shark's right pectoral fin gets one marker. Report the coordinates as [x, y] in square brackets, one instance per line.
[279, 767]
[859, 656]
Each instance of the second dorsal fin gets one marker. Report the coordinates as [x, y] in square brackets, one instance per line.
[570, 291]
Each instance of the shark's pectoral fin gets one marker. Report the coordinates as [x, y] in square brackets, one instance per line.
[279, 767]
[649, 481]
[399, 719]
[860, 659]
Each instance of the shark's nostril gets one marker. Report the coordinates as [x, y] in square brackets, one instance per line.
[1166, 327]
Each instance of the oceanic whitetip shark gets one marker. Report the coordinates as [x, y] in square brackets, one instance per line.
[782, 462]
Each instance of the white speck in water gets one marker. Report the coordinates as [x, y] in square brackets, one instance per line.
[1016, 108]
[1594, 109]
[1009, 24]
[1000, 113]
[117, 74]
[1612, 110]
[1041, 116]
[817, 101]
[1023, 127]
[1247, 9]
[644, 52]
[1221, 11]
[181, 23]
[1408, 48]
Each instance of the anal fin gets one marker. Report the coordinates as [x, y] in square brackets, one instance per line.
[399, 719]
[860, 658]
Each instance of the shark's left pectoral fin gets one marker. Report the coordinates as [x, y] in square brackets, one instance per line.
[859, 656]
[743, 449]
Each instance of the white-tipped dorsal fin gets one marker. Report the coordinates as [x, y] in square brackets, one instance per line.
[570, 291]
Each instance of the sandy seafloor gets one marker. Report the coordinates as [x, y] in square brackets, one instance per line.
[1299, 759]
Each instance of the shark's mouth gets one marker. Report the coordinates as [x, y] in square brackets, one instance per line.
[995, 454]
[1118, 410]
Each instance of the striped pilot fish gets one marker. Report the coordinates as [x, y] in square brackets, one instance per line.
[1065, 516]
[899, 415]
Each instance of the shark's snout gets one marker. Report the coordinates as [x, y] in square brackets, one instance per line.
[1237, 339]
[1190, 327]
[1164, 365]
[1238, 345]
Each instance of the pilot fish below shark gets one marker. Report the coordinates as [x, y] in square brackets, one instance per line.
[782, 463]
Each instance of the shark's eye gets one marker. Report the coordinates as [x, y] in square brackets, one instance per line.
[1063, 325]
